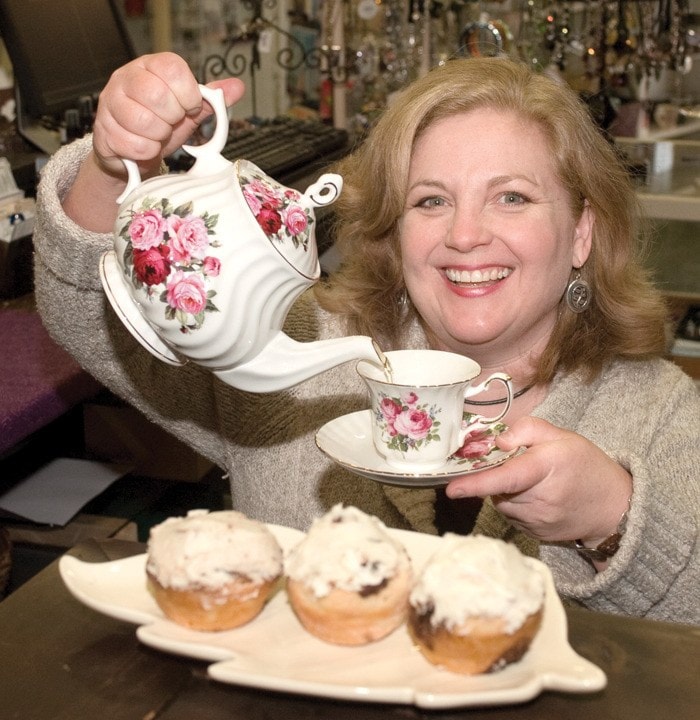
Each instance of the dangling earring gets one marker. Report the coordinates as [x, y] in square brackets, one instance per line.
[578, 294]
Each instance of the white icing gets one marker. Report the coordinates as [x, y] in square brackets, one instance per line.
[209, 549]
[478, 576]
[345, 549]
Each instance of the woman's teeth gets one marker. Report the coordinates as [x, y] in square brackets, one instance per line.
[477, 276]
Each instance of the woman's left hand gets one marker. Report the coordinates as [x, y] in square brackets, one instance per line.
[563, 487]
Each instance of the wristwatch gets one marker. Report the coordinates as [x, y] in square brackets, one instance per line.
[601, 552]
[606, 549]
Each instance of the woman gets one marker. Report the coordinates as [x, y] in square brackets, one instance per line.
[487, 216]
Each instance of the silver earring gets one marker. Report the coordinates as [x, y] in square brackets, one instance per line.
[578, 294]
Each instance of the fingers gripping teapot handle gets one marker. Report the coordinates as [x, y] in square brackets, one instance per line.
[210, 150]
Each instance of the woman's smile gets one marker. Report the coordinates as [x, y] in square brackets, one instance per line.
[476, 278]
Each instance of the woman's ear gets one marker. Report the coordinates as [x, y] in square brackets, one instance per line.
[583, 237]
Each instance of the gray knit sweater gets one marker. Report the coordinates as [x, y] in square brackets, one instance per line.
[644, 414]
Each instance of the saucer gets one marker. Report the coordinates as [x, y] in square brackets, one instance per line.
[348, 441]
[127, 311]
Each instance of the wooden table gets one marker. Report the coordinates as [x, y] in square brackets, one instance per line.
[62, 660]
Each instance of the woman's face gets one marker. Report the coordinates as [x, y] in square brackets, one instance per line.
[487, 237]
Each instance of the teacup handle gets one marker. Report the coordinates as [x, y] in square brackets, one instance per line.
[325, 190]
[209, 151]
[476, 389]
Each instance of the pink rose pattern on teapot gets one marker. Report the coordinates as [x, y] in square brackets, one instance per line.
[170, 246]
[277, 210]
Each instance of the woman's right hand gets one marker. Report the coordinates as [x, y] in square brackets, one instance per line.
[148, 109]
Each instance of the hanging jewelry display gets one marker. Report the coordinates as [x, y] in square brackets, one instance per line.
[241, 51]
[442, 30]
[485, 36]
[528, 38]
[394, 55]
[606, 48]
[367, 92]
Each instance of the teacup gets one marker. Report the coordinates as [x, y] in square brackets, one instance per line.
[417, 407]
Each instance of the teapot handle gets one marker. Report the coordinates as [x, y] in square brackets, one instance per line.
[325, 190]
[210, 151]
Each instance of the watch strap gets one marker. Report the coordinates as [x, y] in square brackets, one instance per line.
[608, 547]
[601, 552]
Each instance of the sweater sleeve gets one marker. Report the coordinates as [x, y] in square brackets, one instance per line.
[75, 311]
[656, 571]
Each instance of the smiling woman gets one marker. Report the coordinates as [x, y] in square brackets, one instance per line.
[510, 126]
[479, 214]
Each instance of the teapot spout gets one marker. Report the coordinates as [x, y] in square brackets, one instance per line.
[284, 362]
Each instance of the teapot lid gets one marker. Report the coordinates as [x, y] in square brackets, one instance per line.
[285, 215]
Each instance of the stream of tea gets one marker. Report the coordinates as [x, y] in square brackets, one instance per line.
[388, 372]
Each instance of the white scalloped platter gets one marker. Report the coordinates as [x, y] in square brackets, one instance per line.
[274, 652]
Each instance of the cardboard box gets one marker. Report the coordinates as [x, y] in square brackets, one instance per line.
[121, 434]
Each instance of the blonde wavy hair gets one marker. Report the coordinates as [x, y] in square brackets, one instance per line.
[626, 318]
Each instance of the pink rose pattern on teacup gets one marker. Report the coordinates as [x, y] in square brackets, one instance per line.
[169, 246]
[407, 424]
[479, 443]
[277, 210]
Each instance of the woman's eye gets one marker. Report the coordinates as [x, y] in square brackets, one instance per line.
[512, 198]
[430, 202]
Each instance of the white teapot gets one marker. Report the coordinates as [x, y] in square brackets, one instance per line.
[206, 264]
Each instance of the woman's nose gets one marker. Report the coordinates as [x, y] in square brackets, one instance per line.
[468, 229]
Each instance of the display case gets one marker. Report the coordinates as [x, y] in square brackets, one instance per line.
[669, 192]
